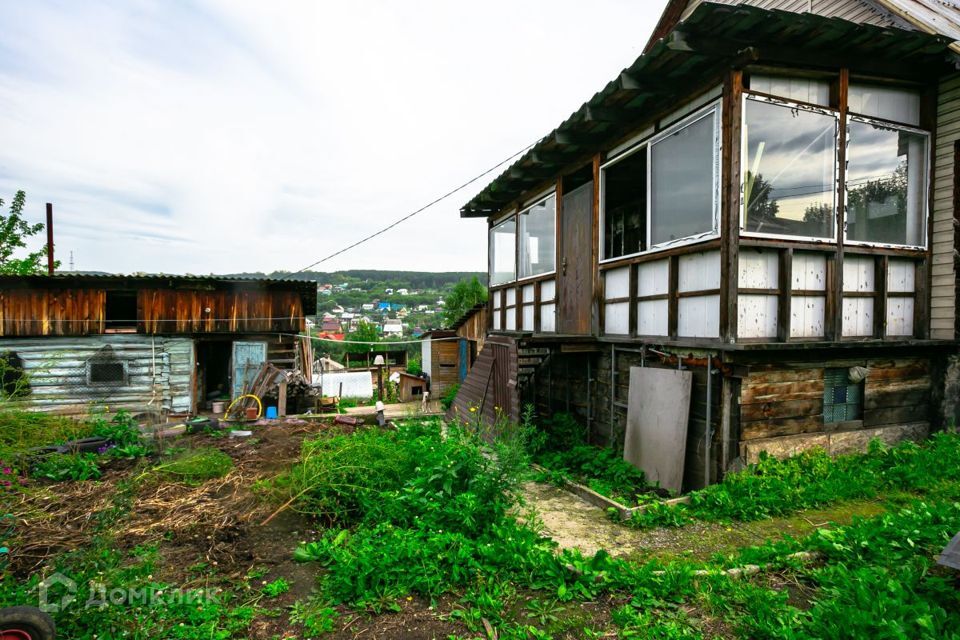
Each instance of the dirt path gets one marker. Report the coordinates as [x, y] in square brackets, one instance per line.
[576, 524]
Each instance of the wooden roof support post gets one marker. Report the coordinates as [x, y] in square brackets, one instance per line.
[833, 323]
[730, 203]
[598, 307]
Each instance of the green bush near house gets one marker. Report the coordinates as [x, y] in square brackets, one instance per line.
[446, 400]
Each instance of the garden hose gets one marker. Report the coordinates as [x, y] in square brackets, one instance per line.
[226, 414]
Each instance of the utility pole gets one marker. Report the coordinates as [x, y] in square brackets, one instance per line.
[50, 238]
[71, 260]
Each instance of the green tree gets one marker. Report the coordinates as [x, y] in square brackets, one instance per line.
[465, 295]
[366, 332]
[14, 232]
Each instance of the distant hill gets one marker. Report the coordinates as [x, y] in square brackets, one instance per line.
[395, 279]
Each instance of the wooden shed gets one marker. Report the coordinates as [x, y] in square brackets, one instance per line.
[765, 199]
[449, 354]
[149, 342]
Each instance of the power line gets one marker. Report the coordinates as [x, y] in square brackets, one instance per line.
[420, 210]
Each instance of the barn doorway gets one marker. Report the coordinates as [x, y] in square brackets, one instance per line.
[213, 370]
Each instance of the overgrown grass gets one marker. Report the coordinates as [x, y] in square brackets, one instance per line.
[560, 446]
[811, 479]
[22, 430]
[192, 466]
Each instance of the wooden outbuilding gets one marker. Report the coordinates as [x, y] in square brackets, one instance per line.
[765, 200]
[150, 342]
[447, 355]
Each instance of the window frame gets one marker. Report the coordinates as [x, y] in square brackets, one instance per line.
[747, 95]
[712, 109]
[519, 239]
[490, 254]
[125, 381]
[925, 215]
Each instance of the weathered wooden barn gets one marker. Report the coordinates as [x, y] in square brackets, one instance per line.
[766, 199]
[148, 342]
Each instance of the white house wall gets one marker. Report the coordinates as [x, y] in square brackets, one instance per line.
[159, 372]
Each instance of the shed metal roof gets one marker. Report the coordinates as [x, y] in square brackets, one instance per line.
[700, 47]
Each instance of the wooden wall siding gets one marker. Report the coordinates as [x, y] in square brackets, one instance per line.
[698, 292]
[475, 328]
[859, 11]
[444, 366]
[65, 312]
[496, 305]
[946, 195]
[159, 372]
[167, 311]
[787, 399]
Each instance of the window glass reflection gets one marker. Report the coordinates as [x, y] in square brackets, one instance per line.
[789, 170]
[886, 173]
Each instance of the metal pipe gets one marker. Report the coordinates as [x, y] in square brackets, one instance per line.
[707, 430]
[589, 397]
[613, 390]
[50, 238]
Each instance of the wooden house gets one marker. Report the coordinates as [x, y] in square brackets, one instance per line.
[766, 201]
[149, 342]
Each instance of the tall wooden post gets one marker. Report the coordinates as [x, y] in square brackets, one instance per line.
[50, 238]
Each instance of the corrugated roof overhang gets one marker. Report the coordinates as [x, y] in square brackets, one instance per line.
[711, 39]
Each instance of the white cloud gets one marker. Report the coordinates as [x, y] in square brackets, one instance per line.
[240, 136]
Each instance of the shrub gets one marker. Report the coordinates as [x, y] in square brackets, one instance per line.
[446, 400]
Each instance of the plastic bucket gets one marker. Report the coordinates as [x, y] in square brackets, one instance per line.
[271, 413]
[217, 406]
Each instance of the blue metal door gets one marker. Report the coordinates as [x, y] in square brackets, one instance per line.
[247, 360]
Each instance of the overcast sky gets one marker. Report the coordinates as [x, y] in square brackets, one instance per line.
[226, 136]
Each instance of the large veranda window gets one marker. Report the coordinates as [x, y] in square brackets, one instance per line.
[790, 171]
[503, 256]
[538, 238]
[887, 175]
[665, 191]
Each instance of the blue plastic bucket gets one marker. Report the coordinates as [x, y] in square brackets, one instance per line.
[271, 413]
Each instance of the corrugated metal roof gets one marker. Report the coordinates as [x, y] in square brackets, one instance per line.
[669, 71]
[185, 277]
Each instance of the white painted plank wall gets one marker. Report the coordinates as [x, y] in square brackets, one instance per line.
[858, 276]
[807, 313]
[757, 314]
[699, 316]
